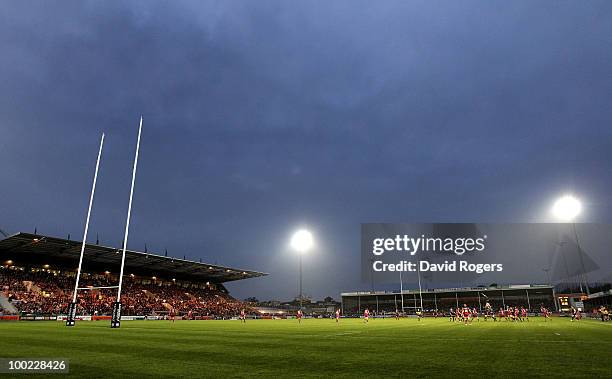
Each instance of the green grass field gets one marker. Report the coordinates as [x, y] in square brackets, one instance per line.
[319, 348]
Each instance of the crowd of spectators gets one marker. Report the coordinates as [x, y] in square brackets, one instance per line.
[49, 292]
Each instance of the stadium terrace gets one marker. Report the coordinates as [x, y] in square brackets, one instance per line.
[440, 300]
[37, 275]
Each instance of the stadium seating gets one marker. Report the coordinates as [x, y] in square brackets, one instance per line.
[48, 293]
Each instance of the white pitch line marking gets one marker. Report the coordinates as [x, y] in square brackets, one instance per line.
[347, 333]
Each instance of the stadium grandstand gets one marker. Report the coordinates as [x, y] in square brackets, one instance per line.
[599, 299]
[439, 301]
[37, 277]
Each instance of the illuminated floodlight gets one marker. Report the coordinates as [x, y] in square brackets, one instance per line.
[302, 241]
[566, 208]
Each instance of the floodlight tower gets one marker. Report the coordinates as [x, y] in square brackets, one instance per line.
[301, 242]
[566, 209]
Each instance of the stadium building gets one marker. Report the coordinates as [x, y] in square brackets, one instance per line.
[599, 299]
[37, 276]
[441, 300]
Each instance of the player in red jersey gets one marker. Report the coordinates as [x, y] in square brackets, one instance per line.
[466, 314]
[299, 316]
[366, 315]
[524, 315]
[242, 315]
[516, 314]
[172, 315]
[337, 315]
[501, 314]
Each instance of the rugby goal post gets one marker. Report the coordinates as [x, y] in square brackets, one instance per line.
[116, 314]
[72, 307]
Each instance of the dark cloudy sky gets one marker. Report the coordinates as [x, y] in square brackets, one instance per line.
[264, 116]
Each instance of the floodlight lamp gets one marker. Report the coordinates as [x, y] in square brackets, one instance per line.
[566, 208]
[301, 241]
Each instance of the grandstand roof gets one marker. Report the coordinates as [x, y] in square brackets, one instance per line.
[33, 249]
[510, 287]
